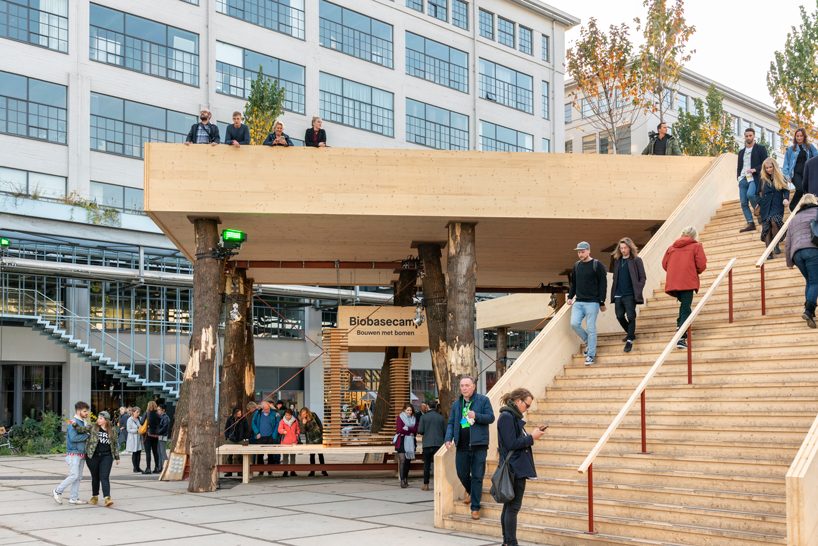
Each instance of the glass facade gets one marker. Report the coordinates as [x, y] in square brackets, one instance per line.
[32, 184]
[236, 68]
[121, 126]
[486, 24]
[33, 108]
[142, 45]
[284, 16]
[439, 9]
[506, 86]
[496, 138]
[436, 62]
[546, 100]
[460, 14]
[118, 197]
[42, 23]
[526, 40]
[436, 127]
[355, 34]
[505, 32]
[356, 105]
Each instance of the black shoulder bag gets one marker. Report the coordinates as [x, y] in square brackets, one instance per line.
[502, 481]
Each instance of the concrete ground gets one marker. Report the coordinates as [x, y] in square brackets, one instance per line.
[340, 509]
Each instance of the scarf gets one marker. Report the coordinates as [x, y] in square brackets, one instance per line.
[289, 421]
[408, 439]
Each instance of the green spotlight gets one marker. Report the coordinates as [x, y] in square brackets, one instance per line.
[4, 242]
[233, 238]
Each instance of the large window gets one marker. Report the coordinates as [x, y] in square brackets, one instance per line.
[460, 14]
[496, 138]
[486, 24]
[40, 22]
[437, 62]
[33, 108]
[506, 86]
[546, 100]
[285, 16]
[436, 127]
[118, 197]
[526, 40]
[355, 34]
[31, 184]
[356, 105]
[121, 126]
[439, 9]
[143, 45]
[236, 68]
[505, 32]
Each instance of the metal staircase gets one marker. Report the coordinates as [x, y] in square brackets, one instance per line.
[91, 341]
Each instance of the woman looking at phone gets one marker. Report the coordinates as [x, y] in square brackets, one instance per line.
[512, 437]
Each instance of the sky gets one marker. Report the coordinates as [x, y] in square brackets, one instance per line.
[734, 40]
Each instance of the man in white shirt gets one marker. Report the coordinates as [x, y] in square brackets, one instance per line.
[748, 172]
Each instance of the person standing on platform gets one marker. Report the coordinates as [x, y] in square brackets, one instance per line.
[661, 143]
[684, 261]
[468, 431]
[278, 137]
[586, 296]
[626, 289]
[203, 132]
[315, 136]
[795, 159]
[433, 429]
[100, 453]
[406, 427]
[265, 431]
[134, 443]
[75, 455]
[748, 172]
[238, 133]
[803, 253]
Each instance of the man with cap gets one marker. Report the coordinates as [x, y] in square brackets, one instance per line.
[203, 132]
[586, 296]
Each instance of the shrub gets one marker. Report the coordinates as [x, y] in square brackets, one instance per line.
[39, 437]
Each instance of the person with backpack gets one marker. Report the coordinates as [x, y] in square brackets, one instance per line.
[684, 261]
[626, 288]
[203, 132]
[802, 252]
[586, 297]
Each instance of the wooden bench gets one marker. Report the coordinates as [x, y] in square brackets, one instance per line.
[248, 451]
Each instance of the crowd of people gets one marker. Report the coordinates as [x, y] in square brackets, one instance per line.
[238, 134]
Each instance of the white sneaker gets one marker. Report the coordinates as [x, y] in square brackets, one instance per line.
[57, 496]
[589, 360]
[76, 501]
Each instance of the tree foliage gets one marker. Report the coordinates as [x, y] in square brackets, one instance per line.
[606, 75]
[265, 103]
[663, 53]
[708, 130]
[793, 77]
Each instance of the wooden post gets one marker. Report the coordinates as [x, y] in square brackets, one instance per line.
[231, 388]
[461, 273]
[434, 296]
[400, 376]
[249, 362]
[404, 290]
[502, 350]
[336, 360]
[200, 372]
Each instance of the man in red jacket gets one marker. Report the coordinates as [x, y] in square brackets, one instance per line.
[684, 261]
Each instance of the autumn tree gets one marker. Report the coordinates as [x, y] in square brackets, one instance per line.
[793, 77]
[663, 53]
[606, 77]
[707, 130]
[265, 103]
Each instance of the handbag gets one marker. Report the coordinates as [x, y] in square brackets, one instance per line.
[502, 482]
[813, 229]
[143, 428]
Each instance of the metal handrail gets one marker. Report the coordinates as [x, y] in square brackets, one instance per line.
[762, 260]
[639, 391]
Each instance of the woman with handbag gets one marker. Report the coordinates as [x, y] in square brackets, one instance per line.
[515, 443]
[802, 251]
[152, 438]
[406, 428]
[134, 441]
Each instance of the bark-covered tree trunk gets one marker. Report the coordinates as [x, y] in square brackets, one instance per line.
[502, 350]
[434, 297]
[200, 372]
[461, 273]
[231, 388]
[404, 289]
[249, 371]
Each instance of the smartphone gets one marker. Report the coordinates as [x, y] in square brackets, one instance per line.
[543, 427]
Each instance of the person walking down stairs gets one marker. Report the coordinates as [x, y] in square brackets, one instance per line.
[773, 196]
[626, 288]
[684, 261]
[748, 172]
[586, 296]
[802, 252]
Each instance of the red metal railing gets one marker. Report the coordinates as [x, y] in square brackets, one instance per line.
[762, 260]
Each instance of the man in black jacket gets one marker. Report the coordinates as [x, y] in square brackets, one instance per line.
[433, 429]
[811, 176]
[203, 132]
[748, 172]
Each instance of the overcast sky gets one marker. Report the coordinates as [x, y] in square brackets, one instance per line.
[734, 41]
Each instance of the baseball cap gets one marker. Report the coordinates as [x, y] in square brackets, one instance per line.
[584, 245]
[104, 414]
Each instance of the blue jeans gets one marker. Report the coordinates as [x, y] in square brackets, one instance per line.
[588, 311]
[806, 260]
[748, 197]
[75, 466]
[471, 468]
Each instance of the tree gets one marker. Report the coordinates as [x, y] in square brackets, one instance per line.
[708, 131]
[606, 78]
[663, 53]
[265, 103]
[793, 77]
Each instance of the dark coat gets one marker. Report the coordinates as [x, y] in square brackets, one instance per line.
[811, 176]
[799, 235]
[240, 135]
[271, 137]
[212, 132]
[511, 436]
[684, 261]
[771, 201]
[483, 417]
[757, 157]
[237, 431]
[637, 271]
[308, 137]
[433, 429]
[672, 144]
[153, 423]
[402, 433]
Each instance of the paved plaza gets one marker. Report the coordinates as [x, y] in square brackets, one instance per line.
[303, 511]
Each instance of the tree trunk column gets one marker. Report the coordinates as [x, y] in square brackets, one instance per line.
[249, 371]
[231, 389]
[502, 351]
[434, 297]
[200, 373]
[460, 291]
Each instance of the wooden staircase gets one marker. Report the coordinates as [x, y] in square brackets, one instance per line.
[719, 449]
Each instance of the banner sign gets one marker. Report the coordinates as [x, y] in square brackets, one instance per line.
[383, 326]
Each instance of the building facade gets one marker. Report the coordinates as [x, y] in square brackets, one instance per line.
[582, 137]
[95, 300]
